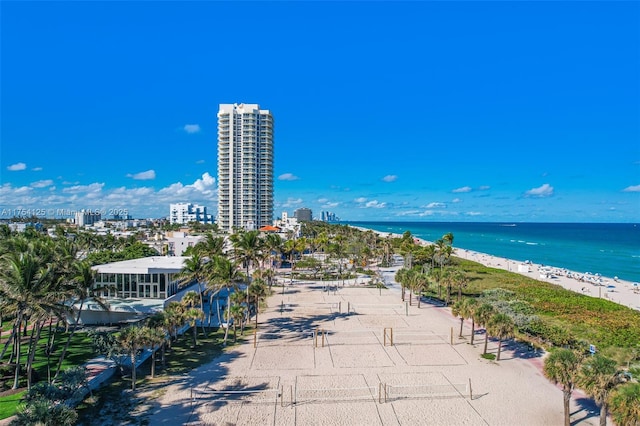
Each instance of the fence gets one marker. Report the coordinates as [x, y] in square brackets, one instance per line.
[284, 338]
[254, 396]
[414, 337]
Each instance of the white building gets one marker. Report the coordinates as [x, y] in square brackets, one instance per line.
[183, 213]
[245, 167]
[131, 289]
[178, 242]
[86, 218]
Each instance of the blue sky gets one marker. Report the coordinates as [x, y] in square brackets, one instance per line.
[412, 111]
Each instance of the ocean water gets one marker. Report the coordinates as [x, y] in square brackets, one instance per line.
[609, 249]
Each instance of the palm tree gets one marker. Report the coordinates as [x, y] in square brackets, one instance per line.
[457, 311]
[471, 306]
[247, 250]
[154, 337]
[598, 376]
[132, 340]
[81, 286]
[501, 326]
[562, 366]
[461, 280]
[224, 273]
[258, 290]
[192, 314]
[195, 269]
[482, 316]
[624, 406]
[24, 285]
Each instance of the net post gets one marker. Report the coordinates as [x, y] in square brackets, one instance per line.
[349, 308]
[323, 333]
[316, 337]
[451, 337]
[282, 396]
[406, 308]
[291, 391]
[470, 390]
[255, 338]
[380, 393]
[386, 393]
[391, 335]
[282, 305]
[340, 307]
[384, 338]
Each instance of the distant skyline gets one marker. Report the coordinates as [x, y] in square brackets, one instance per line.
[400, 111]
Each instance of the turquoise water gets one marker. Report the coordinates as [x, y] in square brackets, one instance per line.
[610, 249]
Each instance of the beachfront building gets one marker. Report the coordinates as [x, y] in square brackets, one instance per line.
[183, 213]
[245, 167]
[132, 290]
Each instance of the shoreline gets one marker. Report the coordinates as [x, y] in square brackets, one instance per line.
[622, 292]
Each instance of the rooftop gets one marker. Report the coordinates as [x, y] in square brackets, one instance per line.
[145, 265]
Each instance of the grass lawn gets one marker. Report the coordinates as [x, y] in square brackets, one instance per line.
[114, 401]
[9, 403]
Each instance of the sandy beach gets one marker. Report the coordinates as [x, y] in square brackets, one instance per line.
[351, 355]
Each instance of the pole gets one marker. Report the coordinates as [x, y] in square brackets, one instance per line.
[451, 340]
[255, 338]
[322, 331]
[470, 390]
[391, 336]
[406, 307]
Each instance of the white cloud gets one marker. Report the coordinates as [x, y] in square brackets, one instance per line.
[633, 188]
[148, 175]
[17, 167]
[436, 206]
[473, 213]
[545, 190]
[330, 205]
[292, 202]
[200, 162]
[42, 183]
[484, 187]
[456, 200]
[37, 169]
[390, 178]
[191, 128]
[288, 176]
[360, 200]
[206, 184]
[462, 189]
[79, 189]
[374, 204]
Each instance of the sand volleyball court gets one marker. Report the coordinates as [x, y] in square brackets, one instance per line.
[360, 356]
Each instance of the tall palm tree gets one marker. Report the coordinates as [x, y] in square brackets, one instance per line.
[258, 291]
[24, 285]
[153, 338]
[80, 287]
[457, 311]
[482, 316]
[562, 366]
[502, 327]
[224, 273]
[471, 306]
[598, 376]
[247, 247]
[195, 269]
[131, 340]
[624, 406]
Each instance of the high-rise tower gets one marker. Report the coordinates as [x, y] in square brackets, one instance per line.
[245, 167]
